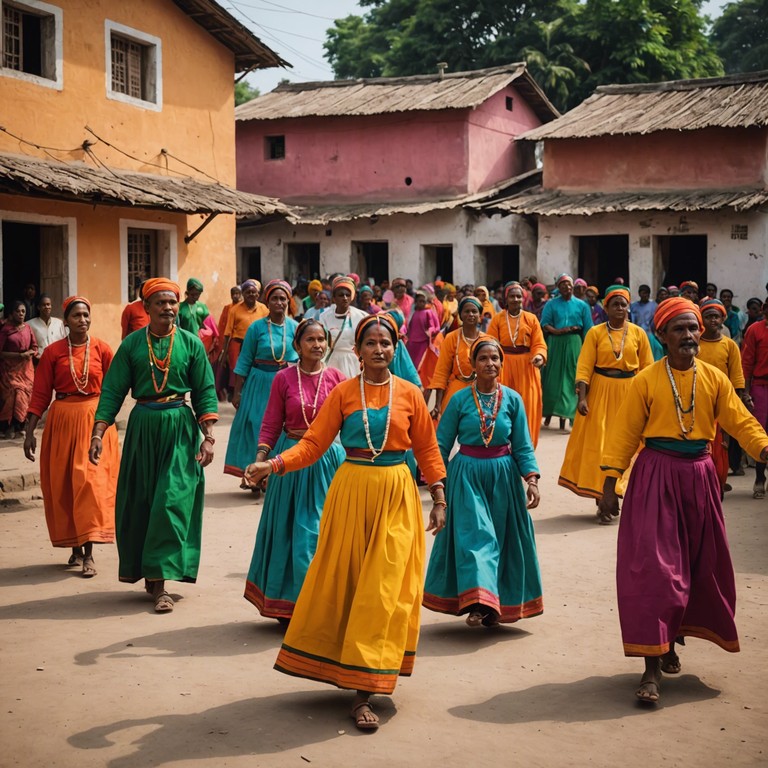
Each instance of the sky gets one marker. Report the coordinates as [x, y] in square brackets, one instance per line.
[295, 29]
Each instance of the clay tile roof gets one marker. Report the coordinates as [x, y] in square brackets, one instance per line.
[78, 182]
[250, 52]
[380, 95]
[736, 101]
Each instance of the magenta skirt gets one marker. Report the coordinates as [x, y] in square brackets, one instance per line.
[673, 569]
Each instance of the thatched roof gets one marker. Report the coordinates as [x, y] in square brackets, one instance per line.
[736, 101]
[80, 183]
[554, 203]
[382, 95]
[250, 52]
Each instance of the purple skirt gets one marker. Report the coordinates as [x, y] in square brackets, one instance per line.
[673, 569]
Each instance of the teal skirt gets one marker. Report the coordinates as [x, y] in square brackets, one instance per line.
[160, 490]
[244, 433]
[558, 380]
[486, 554]
[287, 535]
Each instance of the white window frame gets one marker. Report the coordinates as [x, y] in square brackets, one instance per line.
[167, 262]
[112, 27]
[57, 83]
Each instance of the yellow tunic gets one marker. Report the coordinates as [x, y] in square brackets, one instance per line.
[724, 354]
[649, 411]
[581, 471]
[518, 373]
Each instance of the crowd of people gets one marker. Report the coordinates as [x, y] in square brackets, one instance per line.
[348, 396]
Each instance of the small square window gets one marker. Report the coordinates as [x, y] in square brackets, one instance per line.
[134, 68]
[30, 44]
[510, 103]
[274, 147]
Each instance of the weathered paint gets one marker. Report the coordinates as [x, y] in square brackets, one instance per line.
[709, 158]
[196, 124]
[371, 158]
[406, 236]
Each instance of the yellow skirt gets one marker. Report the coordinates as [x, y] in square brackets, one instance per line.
[581, 471]
[356, 621]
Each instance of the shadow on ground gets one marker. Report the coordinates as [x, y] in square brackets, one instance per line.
[587, 700]
[37, 573]
[248, 727]
[445, 639]
[216, 640]
[574, 523]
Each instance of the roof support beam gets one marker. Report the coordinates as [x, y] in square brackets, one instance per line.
[189, 238]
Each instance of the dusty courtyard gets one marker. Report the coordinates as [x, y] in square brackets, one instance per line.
[93, 677]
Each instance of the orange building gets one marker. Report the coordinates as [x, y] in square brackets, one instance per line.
[117, 148]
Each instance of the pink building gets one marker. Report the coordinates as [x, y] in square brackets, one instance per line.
[362, 157]
[658, 183]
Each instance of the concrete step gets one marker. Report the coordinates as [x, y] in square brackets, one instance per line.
[22, 499]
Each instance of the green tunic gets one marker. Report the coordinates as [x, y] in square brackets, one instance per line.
[160, 488]
[192, 316]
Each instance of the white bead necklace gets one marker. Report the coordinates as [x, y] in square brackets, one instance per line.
[321, 373]
[517, 327]
[366, 426]
[608, 327]
[678, 403]
[463, 376]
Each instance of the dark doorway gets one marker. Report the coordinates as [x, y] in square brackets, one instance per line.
[250, 264]
[502, 263]
[34, 253]
[683, 257]
[438, 262]
[372, 259]
[302, 261]
[603, 258]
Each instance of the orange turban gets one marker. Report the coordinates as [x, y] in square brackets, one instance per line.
[380, 319]
[713, 304]
[671, 308]
[343, 281]
[157, 284]
[616, 290]
[69, 302]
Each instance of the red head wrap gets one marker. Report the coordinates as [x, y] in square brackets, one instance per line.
[671, 308]
[70, 301]
[157, 284]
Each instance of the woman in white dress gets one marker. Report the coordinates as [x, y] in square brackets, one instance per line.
[341, 321]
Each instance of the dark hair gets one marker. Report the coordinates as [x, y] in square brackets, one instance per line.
[644, 287]
[303, 327]
[485, 341]
[15, 304]
[380, 319]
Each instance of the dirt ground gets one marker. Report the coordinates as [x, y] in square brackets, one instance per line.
[93, 677]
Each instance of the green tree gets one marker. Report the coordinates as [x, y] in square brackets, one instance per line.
[740, 36]
[244, 92]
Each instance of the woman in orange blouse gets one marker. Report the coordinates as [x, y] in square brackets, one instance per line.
[454, 370]
[356, 620]
[239, 320]
[525, 352]
[79, 498]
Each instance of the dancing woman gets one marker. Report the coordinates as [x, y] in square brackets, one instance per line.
[485, 563]
[356, 621]
[79, 498]
[290, 521]
[525, 352]
[612, 354]
[267, 348]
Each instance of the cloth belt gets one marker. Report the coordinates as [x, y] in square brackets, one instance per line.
[483, 452]
[615, 373]
[81, 395]
[268, 365]
[161, 403]
[385, 459]
[520, 350]
[295, 434]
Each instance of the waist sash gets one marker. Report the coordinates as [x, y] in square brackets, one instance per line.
[682, 449]
[385, 459]
[614, 373]
[161, 403]
[483, 452]
[295, 434]
[268, 365]
[79, 395]
[516, 350]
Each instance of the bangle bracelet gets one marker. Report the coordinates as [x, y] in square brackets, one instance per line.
[439, 503]
[96, 437]
[209, 439]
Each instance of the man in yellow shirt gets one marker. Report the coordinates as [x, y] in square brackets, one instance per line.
[673, 569]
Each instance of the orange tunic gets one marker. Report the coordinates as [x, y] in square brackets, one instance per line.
[240, 318]
[79, 498]
[522, 339]
[454, 370]
[134, 317]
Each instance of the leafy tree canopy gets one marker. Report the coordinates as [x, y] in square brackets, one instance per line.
[571, 46]
[244, 92]
[740, 36]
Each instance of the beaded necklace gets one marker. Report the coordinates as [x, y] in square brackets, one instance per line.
[463, 376]
[80, 382]
[678, 403]
[513, 336]
[377, 452]
[608, 327]
[157, 364]
[285, 338]
[487, 421]
[321, 373]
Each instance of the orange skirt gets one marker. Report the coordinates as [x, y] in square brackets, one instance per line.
[79, 498]
[517, 373]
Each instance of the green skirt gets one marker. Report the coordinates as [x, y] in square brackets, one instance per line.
[160, 490]
[559, 376]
